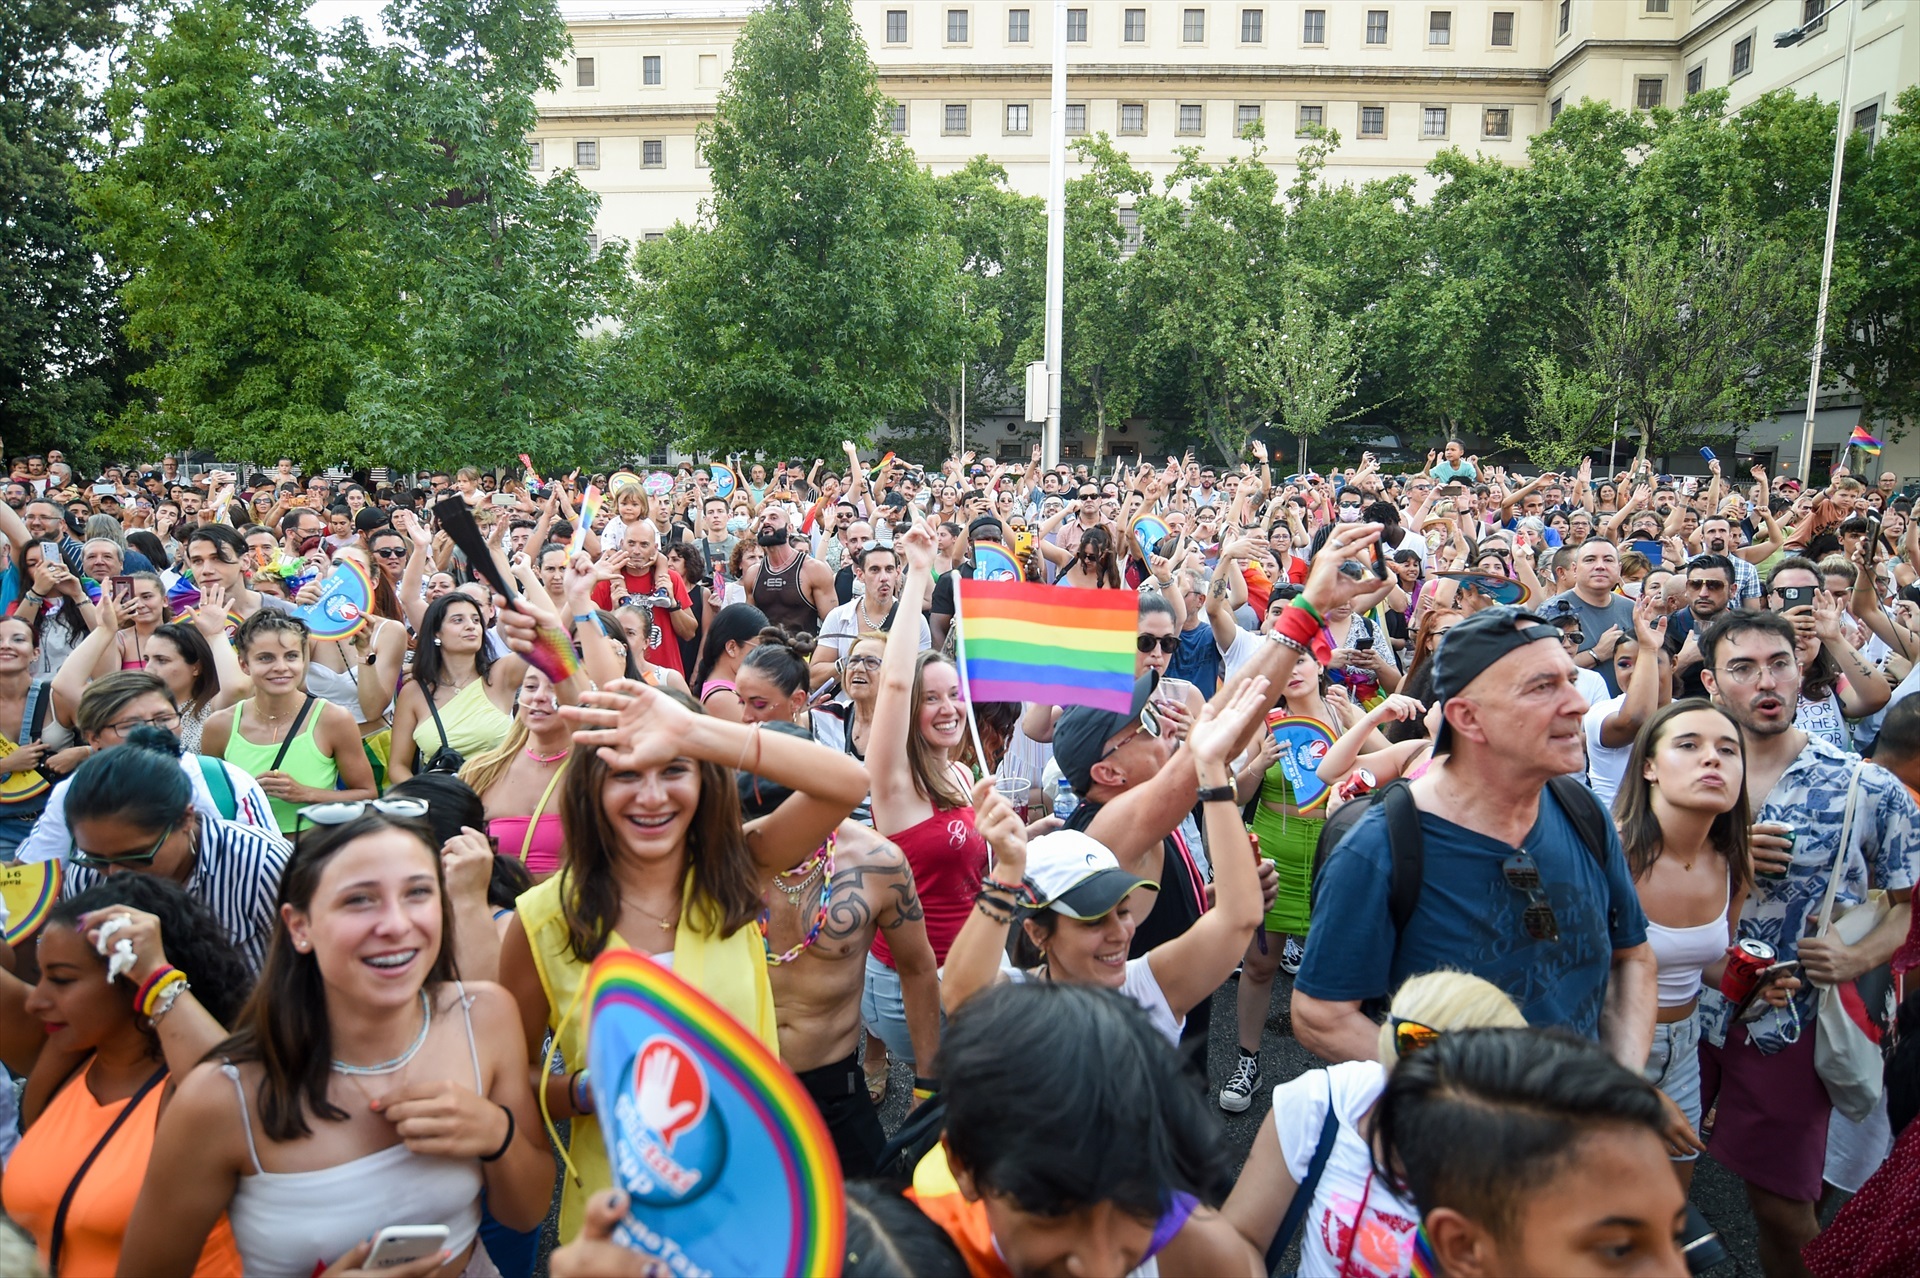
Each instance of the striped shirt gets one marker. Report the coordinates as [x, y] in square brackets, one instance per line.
[51, 840]
[236, 875]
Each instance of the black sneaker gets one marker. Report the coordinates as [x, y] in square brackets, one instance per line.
[1239, 1090]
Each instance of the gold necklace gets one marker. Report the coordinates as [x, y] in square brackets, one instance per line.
[660, 921]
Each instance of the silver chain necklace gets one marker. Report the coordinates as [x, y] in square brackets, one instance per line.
[405, 1058]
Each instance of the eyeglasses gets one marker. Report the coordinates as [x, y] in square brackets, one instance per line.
[168, 720]
[92, 862]
[1749, 672]
[863, 663]
[1574, 637]
[1715, 586]
[1166, 643]
[1523, 875]
[1410, 1036]
[341, 813]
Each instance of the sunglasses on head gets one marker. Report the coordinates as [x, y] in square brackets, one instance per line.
[1410, 1036]
[1166, 643]
[341, 813]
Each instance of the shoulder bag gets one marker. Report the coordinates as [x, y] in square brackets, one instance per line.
[1846, 1045]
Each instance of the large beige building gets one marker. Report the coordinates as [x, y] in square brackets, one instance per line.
[1400, 80]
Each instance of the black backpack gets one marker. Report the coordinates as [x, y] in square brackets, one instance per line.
[1407, 847]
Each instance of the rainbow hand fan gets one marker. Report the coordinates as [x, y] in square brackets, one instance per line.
[727, 1164]
[346, 600]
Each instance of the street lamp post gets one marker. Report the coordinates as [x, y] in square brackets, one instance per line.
[1785, 40]
[1056, 233]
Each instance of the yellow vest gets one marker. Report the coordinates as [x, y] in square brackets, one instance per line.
[732, 971]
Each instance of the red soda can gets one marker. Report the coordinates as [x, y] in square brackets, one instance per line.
[1745, 962]
[1358, 783]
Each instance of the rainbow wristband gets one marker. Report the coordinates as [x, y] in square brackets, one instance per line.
[146, 986]
[158, 985]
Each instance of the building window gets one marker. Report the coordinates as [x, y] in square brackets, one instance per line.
[650, 236]
[1650, 91]
[1311, 117]
[536, 155]
[1373, 122]
[1253, 26]
[1433, 122]
[1553, 109]
[1496, 123]
[653, 155]
[1376, 26]
[1247, 113]
[1658, 6]
[1313, 27]
[1867, 120]
[1440, 27]
[1813, 15]
[1566, 15]
[1193, 26]
[956, 26]
[1018, 26]
[583, 73]
[593, 242]
[586, 155]
[1076, 119]
[1502, 30]
[1133, 117]
[1193, 118]
[699, 155]
[899, 113]
[1129, 230]
[650, 69]
[1134, 28]
[896, 26]
[1742, 56]
[1696, 78]
[1076, 26]
[956, 119]
[1018, 116]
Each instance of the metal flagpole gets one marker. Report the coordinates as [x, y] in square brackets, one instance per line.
[1056, 232]
[966, 689]
[1840, 135]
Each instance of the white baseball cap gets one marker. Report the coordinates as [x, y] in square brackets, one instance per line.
[1075, 875]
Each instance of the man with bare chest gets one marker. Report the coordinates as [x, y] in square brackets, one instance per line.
[817, 955]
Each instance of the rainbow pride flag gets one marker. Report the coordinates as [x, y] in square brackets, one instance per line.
[1864, 442]
[1020, 641]
[589, 511]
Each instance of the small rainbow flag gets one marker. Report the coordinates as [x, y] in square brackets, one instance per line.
[1864, 442]
[589, 511]
[1021, 641]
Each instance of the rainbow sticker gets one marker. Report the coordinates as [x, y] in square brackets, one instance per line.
[30, 890]
[727, 1164]
[346, 599]
[724, 480]
[994, 562]
[1303, 743]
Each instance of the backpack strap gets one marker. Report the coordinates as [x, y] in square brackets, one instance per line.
[220, 786]
[1583, 808]
[1408, 850]
[1303, 1195]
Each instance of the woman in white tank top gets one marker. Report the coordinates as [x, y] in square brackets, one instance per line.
[1683, 815]
[364, 1086]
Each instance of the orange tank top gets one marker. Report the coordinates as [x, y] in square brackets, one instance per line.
[50, 1154]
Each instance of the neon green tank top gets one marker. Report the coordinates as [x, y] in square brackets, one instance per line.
[304, 761]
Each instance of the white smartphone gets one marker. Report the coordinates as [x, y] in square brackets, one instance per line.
[398, 1245]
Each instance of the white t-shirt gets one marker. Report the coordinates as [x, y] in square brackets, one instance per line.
[1591, 684]
[1606, 765]
[1141, 986]
[1349, 1197]
[842, 626]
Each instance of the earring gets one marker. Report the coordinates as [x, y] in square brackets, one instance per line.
[436, 643]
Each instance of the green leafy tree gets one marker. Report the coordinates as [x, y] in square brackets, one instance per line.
[821, 297]
[1300, 366]
[62, 363]
[1100, 317]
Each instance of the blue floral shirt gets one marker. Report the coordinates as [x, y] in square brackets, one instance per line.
[1811, 797]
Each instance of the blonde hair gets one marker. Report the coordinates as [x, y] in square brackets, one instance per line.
[484, 771]
[1447, 1000]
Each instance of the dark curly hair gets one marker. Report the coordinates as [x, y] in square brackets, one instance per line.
[193, 938]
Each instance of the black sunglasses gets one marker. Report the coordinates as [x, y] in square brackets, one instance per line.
[1523, 875]
[1166, 643]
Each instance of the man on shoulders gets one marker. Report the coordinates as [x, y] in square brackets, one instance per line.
[1510, 890]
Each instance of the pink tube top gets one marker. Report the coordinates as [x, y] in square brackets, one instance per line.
[543, 854]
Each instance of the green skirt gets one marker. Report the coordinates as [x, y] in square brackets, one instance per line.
[1288, 842]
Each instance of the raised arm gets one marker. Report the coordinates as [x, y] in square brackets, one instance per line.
[897, 801]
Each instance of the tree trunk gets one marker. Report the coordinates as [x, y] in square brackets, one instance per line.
[1099, 430]
[956, 428]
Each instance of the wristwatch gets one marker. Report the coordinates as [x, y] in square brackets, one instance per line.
[1217, 793]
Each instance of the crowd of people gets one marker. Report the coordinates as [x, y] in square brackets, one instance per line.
[1579, 814]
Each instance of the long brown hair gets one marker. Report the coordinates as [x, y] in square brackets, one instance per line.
[284, 1024]
[1640, 834]
[931, 777]
[1426, 637]
[725, 885]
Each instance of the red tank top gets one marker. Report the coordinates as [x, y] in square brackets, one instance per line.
[949, 858]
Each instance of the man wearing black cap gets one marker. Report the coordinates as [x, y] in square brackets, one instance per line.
[1510, 890]
[985, 528]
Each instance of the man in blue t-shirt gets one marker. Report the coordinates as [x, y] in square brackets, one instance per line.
[1510, 892]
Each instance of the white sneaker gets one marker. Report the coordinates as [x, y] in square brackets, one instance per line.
[1239, 1090]
[1291, 956]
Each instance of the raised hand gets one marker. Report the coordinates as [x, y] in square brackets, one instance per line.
[1211, 738]
[632, 725]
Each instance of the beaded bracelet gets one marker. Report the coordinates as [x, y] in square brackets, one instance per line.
[984, 904]
[1018, 891]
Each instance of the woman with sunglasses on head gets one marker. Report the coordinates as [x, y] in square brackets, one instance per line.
[364, 1085]
[1355, 1224]
[1529, 1152]
[133, 808]
[519, 780]
[734, 633]
[658, 861]
[301, 749]
[102, 1064]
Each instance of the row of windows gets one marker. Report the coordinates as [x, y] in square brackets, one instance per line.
[586, 73]
[1193, 26]
[586, 154]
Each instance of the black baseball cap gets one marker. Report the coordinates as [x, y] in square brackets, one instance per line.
[1083, 732]
[1474, 644]
[986, 528]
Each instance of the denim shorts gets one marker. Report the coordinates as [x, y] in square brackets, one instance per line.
[1674, 1066]
[884, 1009]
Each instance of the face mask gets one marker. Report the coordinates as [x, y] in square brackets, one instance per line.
[1631, 589]
[1349, 514]
[771, 536]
